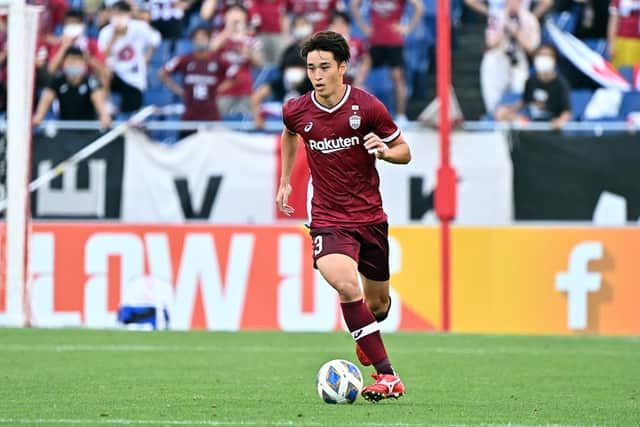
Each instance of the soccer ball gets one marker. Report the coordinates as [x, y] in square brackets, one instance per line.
[339, 381]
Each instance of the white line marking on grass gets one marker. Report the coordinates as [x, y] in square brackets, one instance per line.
[123, 421]
[283, 349]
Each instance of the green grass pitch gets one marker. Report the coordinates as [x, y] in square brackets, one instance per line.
[87, 377]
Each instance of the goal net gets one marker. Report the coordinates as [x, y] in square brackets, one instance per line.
[15, 148]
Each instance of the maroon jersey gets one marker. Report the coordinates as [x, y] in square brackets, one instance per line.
[318, 12]
[357, 49]
[201, 78]
[344, 180]
[271, 13]
[217, 19]
[385, 15]
[234, 52]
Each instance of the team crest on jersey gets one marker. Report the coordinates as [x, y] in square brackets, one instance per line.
[354, 121]
[308, 127]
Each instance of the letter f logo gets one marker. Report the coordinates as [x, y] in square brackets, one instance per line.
[577, 281]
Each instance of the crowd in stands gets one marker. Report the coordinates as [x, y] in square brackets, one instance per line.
[239, 59]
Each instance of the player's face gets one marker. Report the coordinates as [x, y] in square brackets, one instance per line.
[324, 72]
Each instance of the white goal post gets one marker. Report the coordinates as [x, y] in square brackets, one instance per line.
[21, 45]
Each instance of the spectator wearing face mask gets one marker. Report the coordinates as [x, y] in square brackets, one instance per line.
[360, 61]
[504, 65]
[241, 51]
[73, 34]
[203, 74]
[292, 80]
[79, 94]
[546, 95]
[128, 44]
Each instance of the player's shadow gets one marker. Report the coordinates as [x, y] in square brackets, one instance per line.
[605, 295]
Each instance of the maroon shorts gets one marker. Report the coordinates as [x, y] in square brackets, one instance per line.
[368, 245]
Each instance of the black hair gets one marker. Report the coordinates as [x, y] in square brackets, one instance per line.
[75, 14]
[341, 15]
[239, 6]
[547, 46]
[121, 6]
[73, 51]
[200, 29]
[329, 41]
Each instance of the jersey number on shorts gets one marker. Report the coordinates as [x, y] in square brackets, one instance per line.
[317, 245]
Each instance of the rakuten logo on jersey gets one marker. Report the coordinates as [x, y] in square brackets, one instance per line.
[331, 145]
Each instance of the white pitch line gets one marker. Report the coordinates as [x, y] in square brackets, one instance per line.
[121, 421]
[284, 349]
[124, 421]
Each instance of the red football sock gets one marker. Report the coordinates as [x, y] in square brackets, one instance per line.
[365, 330]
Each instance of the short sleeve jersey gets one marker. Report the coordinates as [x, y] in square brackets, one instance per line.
[75, 101]
[385, 15]
[318, 12]
[629, 13]
[344, 188]
[200, 80]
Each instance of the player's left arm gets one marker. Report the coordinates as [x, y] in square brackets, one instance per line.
[396, 151]
[418, 11]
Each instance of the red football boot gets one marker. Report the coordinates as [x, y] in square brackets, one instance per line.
[386, 386]
[362, 357]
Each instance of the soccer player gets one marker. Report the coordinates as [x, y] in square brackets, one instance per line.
[345, 130]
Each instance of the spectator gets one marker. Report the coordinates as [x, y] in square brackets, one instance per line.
[360, 61]
[318, 12]
[494, 9]
[504, 67]
[51, 16]
[73, 34]
[386, 36]
[202, 76]
[79, 94]
[274, 28]
[292, 80]
[624, 32]
[3, 63]
[214, 11]
[592, 17]
[546, 94]
[167, 17]
[241, 51]
[128, 44]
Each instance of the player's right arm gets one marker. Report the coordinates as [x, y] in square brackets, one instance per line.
[289, 148]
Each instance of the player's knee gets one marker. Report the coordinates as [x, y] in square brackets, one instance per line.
[379, 307]
[347, 290]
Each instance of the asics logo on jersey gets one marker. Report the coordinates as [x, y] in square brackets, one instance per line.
[308, 127]
[326, 145]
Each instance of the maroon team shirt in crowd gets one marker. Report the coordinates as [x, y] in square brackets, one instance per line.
[385, 15]
[629, 13]
[357, 49]
[318, 12]
[271, 12]
[239, 65]
[201, 78]
[217, 19]
[344, 180]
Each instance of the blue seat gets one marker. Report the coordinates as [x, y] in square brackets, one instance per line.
[158, 97]
[627, 73]
[599, 46]
[183, 47]
[579, 100]
[630, 103]
[161, 55]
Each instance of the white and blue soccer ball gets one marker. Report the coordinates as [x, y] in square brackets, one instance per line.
[339, 381]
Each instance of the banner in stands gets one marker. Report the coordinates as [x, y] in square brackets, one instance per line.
[229, 177]
[90, 190]
[576, 177]
[221, 177]
[517, 280]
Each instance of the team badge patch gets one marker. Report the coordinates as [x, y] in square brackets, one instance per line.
[354, 121]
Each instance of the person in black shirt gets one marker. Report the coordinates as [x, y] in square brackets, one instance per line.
[546, 94]
[79, 94]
